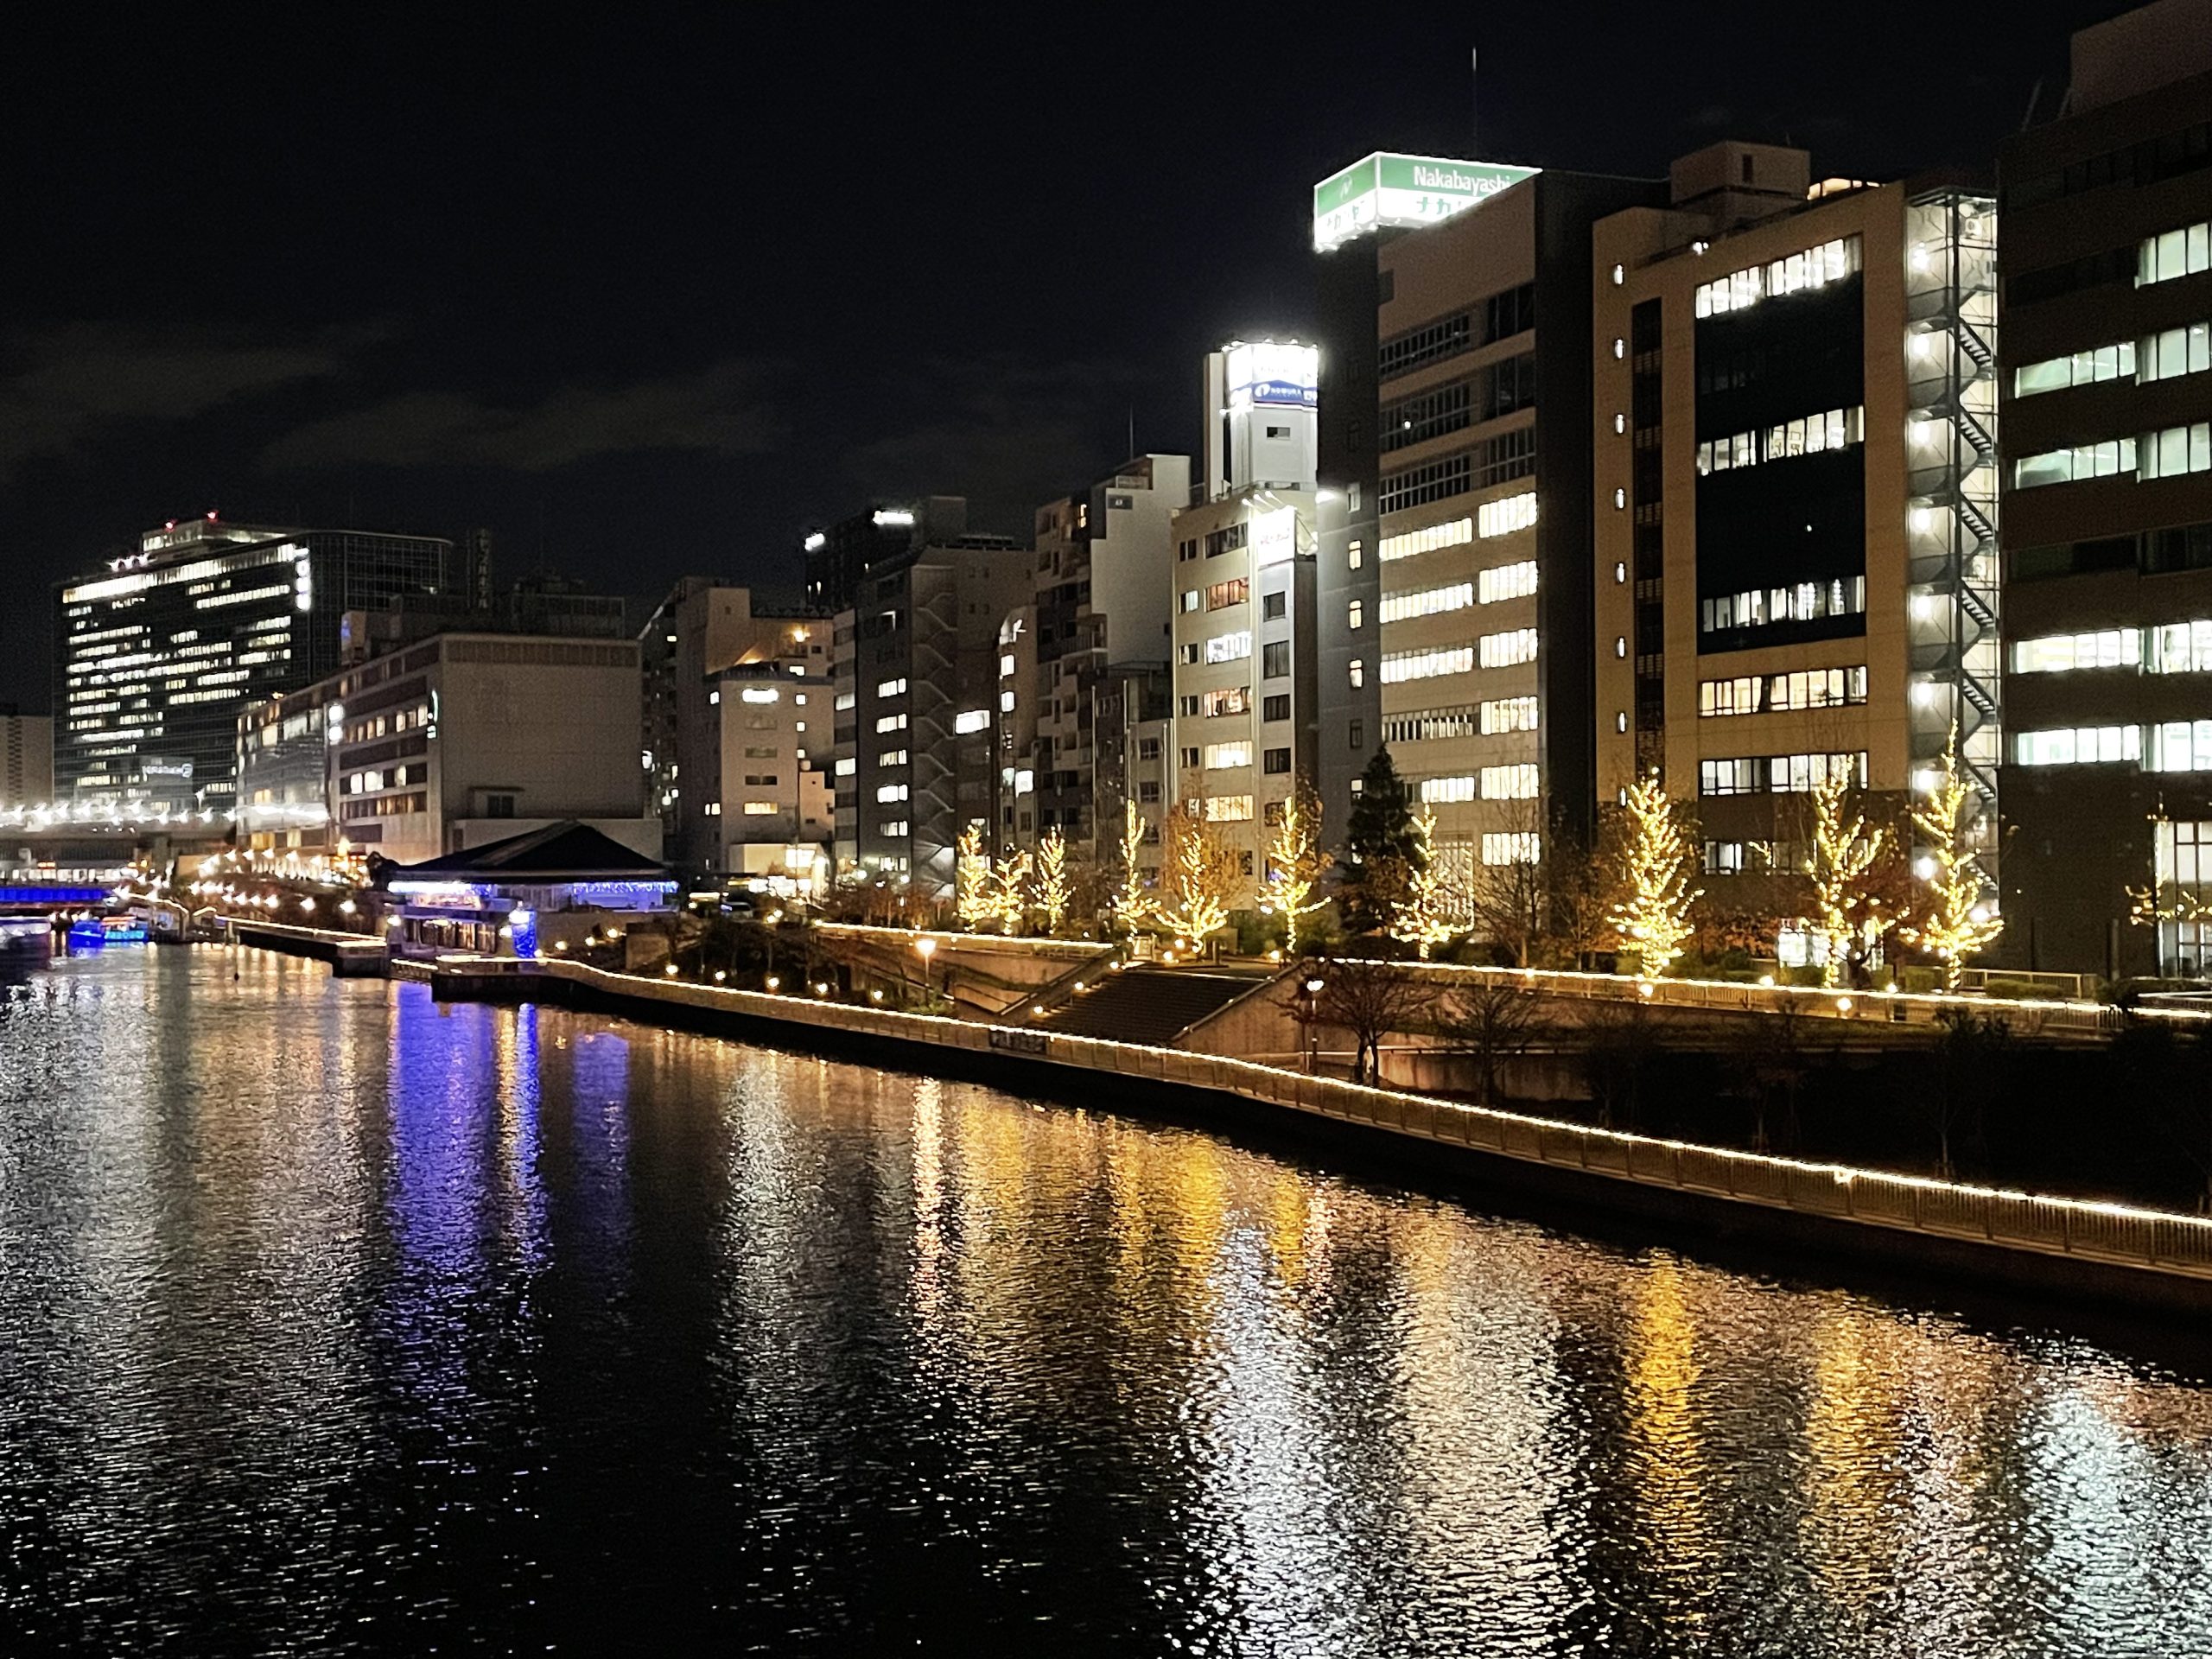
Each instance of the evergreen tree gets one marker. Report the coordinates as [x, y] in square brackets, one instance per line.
[1382, 848]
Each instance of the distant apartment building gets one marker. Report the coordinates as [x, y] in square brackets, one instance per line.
[1244, 724]
[156, 656]
[2104, 371]
[703, 630]
[1456, 511]
[448, 744]
[26, 758]
[770, 805]
[839, 555]
[1093, 636]
[1795, 490]
[916, 662]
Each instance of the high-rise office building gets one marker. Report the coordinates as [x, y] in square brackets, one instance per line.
[1456, 514]
[1245, 723]
[156, 656]
[916, 664]
[1794, 555]
[2106, 377]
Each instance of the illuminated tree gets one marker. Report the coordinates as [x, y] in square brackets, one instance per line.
[1199, 875]
[1130, 906]
[973, 899]
[1424, 917]
[1050, 890]
[1296, 861]
[1009, 893]
[1844, 852]
[1651, 910]
[1960, 922]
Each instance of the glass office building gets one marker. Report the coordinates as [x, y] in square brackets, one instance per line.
[155, 655]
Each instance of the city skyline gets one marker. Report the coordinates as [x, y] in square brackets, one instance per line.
[358, 356]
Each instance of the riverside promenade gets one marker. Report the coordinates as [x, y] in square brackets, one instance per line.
[2104, 1252]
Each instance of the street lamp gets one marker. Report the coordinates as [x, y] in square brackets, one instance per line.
[925, 947]
[1313, 990]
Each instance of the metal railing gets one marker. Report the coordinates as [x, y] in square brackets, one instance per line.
[2084, 1230]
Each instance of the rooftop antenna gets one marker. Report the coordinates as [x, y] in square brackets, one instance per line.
[2035, 96]
[1132, 431]
[1474, 101]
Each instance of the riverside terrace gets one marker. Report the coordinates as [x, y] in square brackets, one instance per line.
[2030, 1117]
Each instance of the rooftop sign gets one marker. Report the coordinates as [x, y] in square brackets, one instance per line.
[1408, 191]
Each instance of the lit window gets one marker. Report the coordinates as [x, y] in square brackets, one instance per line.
[1354, 612]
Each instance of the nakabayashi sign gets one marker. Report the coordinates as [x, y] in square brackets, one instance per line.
[1406, 191]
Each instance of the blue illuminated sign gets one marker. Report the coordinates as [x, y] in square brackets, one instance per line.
[1286, 394]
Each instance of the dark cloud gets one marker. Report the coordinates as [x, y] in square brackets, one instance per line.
[63, 389]
[725, 409]
[1011, 433]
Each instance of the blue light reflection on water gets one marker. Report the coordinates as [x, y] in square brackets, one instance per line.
[333, 1319]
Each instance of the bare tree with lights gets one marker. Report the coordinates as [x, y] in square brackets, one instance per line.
[1959, 923]
[1009, 893]
[1651, 910]
[1426, 916]
[1199, 875]
[1296, 861]
[1052, 887]
[973, 896]
[1844, 852]
[1129, 903]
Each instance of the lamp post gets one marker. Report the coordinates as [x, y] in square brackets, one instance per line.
[925, 947]
[1312, 992]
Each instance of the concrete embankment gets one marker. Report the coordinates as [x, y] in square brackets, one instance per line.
[351, 955]
[2108, 1253]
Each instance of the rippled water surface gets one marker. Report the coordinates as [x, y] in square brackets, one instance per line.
[333, 1321]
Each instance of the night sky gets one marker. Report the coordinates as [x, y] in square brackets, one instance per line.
[651, 298]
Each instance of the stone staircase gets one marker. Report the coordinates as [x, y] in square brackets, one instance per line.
[1146, 1004]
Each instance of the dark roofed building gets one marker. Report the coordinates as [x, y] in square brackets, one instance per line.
[556, 883]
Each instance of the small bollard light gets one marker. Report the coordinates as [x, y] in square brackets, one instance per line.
[671, 971]
[771, 981]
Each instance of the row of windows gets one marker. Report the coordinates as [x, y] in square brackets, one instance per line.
[1227, 809]
[2176, 451]
[2175, 648]
[1837, 429]
[2146, 163]
[2075, 369]
[1220, 755]
[1499, 317]
[1814, 268]
[1767, 694]
[1498, 518]
[1499, 389]
[1508, 455]
[2169, 254]
[1803, 602]
[2174, 745]
[1778, 774]
[1427, 602]
[2164, 356]
[1511, 847]
[2172, 452]
[1510, 783]
[1516, 581]
[1402, 665]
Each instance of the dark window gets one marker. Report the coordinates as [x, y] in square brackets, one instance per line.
[1272, 605]
[1274, 760]
[1359, 734]
[1275, 659]
[499, 806]
[1275, 707]
[2094, 270]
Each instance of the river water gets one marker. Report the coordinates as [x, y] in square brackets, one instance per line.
[332, 1320]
